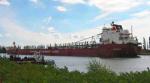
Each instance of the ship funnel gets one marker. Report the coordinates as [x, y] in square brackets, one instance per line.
[14, 44]
[112, 23]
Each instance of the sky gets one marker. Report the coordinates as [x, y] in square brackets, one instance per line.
[34, 22]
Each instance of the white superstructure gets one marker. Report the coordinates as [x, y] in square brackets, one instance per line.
[117, 35]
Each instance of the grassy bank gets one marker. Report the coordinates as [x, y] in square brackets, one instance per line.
[10, 72]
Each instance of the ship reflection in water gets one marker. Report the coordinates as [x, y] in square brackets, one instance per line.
[115, 64]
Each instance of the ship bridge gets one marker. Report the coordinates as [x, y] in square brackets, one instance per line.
[117, 35]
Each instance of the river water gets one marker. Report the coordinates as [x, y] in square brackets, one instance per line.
[115, 64]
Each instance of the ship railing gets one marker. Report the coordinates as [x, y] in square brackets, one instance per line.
[85, 44]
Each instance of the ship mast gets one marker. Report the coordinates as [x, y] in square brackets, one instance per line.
[131, 31]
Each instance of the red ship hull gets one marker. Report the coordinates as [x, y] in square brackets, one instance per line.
[103, 50]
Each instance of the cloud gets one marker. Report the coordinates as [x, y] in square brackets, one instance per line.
[51, 30]
[142, 14]
[38, 3]
[104, 14]
[47, 20]
[61, 9]
[148, 2]
[141, 26]
[4, 2]
[23, 36]
[20, 33]
[34, 1]
[7, 35]
[107, 7]
[1, 35]
[112, 6]
[72, 1]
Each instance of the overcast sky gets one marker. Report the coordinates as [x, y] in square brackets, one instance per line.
[49, 21]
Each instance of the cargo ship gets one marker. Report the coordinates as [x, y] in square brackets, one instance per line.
[114, 41]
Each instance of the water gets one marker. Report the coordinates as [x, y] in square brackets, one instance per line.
[115, 64]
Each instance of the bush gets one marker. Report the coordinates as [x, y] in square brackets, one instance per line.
[95, 66]
[11, 72]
